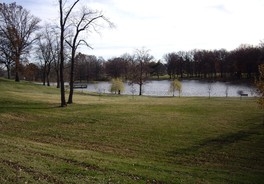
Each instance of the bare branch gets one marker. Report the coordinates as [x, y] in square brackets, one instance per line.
[69, 43]
[79, 43]
[69, 11]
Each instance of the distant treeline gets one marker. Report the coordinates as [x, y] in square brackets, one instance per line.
[241, 63]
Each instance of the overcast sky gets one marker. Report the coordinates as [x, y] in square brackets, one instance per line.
[164, 26]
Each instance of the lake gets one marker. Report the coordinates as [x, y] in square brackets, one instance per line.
[189, 88]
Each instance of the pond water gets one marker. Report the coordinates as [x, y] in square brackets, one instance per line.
[189, 88]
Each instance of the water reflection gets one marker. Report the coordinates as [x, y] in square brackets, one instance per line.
[189, 88]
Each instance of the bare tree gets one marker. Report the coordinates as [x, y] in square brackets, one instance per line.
[46, 51]
[85, 20]
[173, 64]
[129, 63]
[140, 68]
[64, 15]
[5, 55]
[17, 25]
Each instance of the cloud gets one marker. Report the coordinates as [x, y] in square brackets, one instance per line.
[184, 25]
[167, 25]
[44, 9]
[221, 8]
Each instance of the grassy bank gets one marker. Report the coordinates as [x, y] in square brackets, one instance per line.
[120, 139]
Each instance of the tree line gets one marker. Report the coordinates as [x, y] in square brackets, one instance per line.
[54, 50]
[241, 63]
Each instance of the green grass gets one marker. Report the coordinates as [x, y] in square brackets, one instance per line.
[121, 139]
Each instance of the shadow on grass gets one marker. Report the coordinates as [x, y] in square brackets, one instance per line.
[218, 143]
[14, 106]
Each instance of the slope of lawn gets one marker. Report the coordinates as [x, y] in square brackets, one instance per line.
[124, 139]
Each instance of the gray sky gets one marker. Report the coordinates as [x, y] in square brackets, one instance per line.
[166, 26]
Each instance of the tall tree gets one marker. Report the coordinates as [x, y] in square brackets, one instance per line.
[220, 62]
[84, 20]
[46, 51]
[64, 15]
[173, 64]
[128, 60]
[140, 68]
[17, 25]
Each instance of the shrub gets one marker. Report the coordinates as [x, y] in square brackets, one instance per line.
[117, 86]
[175, 85]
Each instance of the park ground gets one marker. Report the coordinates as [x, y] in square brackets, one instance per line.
[126, 139]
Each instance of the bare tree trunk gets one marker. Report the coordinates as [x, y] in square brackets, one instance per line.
[140, 78]
[70, 101]
[58, 78]
[62, 87]
[17, 69]
[17, 77]
[48, 79]
[62, 29]
[48, 73]
[44, 75]
[140, 89]
[8, 71]
[63, 21]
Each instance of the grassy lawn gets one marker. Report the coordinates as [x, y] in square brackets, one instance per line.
[121, 139]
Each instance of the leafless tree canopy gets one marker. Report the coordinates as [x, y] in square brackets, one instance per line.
[47, 51]
[139, 74]
[83, 21]
[17, 27]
